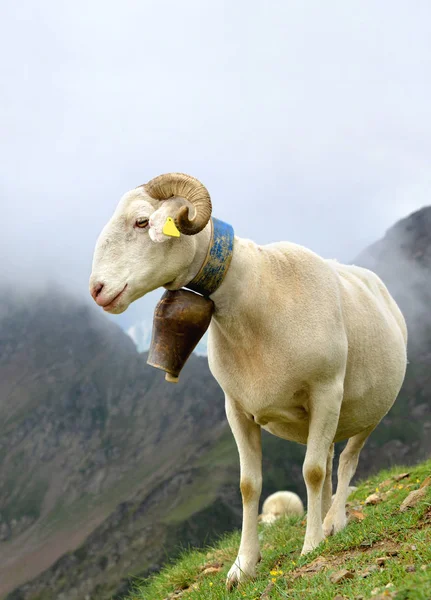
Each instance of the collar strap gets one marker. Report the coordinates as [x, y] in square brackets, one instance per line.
[218, 259]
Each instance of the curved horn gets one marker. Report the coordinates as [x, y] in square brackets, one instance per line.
[178, 184]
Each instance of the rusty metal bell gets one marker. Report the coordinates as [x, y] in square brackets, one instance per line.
[180, 320]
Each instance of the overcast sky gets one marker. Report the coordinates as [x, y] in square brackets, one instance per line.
[308, 121]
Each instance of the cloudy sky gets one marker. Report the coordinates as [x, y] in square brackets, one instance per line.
[307, 120]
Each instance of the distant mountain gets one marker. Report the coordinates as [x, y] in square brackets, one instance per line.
[141, 333]
[105, 470]
[403, 260]
[88, 434]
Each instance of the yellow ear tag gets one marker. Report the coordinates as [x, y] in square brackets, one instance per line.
[169, 228]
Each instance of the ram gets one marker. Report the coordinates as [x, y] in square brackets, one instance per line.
[306, 348]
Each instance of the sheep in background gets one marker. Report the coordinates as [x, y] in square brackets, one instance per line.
[285, 503]
[309, 349]
[281, 504]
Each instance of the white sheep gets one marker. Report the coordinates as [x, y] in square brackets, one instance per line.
[309, 349]
[286, 503]
[283, 503]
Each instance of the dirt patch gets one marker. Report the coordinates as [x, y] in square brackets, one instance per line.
[389, 550]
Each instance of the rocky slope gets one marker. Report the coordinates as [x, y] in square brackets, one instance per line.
[403, 260]
[86, 425]
[105, 469]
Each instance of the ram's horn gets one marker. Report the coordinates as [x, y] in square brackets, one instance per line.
[170, 185]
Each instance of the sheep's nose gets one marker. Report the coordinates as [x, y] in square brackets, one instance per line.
[96, 289]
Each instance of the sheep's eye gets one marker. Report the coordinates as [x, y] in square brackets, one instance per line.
[141, 223]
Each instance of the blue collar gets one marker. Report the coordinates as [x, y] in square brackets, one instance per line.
[217, 260]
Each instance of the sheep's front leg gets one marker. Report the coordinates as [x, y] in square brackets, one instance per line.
[325, 403]
[248, 440]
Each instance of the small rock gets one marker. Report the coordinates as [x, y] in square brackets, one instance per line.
[413, 547]
[410, 568]
[412, 499]
[176, 594]
[377, 595]
[401, 476]
[385, 483]
[210, 570]
[369, 571]
[373, 499]
[214, 565]
[425, 483]
[342, 575]
[356, 515]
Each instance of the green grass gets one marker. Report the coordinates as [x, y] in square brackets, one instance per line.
[282, 573]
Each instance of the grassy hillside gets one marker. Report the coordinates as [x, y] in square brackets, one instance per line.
[384, 552]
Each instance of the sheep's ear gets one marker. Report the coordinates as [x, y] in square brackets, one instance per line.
[170, 229]
[162, 222]
[158, 231]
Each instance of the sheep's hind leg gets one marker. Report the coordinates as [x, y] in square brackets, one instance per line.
[336, 518]
[327, 486]
[325, 403]
[248, 439]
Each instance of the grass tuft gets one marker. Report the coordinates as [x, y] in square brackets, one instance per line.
[387, 554]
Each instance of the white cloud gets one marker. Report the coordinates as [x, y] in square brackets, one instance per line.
[314, 116]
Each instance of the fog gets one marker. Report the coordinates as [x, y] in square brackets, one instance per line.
[308, 122]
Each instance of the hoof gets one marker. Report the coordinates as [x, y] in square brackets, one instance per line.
[328, 529]
[309, 546]
[242, 570]
[334, 523]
